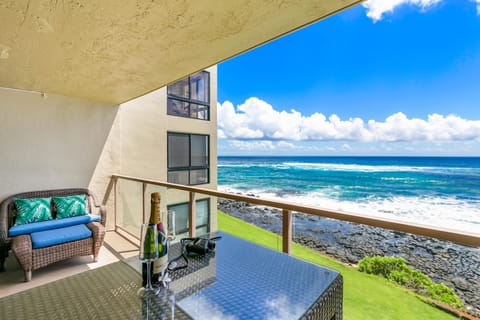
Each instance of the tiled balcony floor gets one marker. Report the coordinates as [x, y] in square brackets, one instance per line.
[115, 247]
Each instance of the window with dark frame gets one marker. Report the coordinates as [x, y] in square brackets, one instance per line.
[188, 158]
[190, 97]
[202, 210]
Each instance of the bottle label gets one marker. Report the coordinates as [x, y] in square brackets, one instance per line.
[149, 246]
[160, 264]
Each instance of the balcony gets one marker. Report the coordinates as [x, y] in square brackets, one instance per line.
[78, 122]
[128, 198]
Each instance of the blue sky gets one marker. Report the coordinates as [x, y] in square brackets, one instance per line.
[396, 77]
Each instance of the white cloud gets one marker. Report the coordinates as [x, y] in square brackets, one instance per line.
[258, 121]
[262, 145]
[221, 134]
[228, 118]
[478, 6]
[377, 8]
[286, 145]
[252, 145]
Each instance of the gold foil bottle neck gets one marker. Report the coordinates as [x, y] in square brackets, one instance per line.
[155, 208]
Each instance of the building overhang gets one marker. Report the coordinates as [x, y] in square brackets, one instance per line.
[114, 51]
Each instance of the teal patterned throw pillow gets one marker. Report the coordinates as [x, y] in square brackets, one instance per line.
[32, 210]
[71, 206]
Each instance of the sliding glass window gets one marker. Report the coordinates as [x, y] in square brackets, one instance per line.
[190, 97]
[202, 210]
[188, 158]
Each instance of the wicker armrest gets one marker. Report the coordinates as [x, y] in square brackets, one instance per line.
[3, 227]
[103, 214]
[4, 221]
[101, 207]
[98, 233]
[22, 247]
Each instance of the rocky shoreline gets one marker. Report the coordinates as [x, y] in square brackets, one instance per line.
[455, 265]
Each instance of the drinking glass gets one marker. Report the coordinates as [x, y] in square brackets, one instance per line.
[148, 253]
[168, 236]
[171, 233]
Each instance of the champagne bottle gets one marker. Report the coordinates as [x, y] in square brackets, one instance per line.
[161, 264]
[156, 221]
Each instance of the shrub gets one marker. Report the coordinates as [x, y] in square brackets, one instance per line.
[441, 292]
[396, 270]
[381, 265]
[399, 277]
[420, 280]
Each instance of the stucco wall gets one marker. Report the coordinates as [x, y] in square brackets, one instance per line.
[114, 50]
[50, 141]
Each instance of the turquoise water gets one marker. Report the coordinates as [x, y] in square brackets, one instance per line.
[439, 191]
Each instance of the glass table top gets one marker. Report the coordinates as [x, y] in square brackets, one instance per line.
[242, 280]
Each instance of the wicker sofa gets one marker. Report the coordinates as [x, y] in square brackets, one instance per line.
[31, 258]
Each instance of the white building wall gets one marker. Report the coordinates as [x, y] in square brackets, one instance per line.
[144, 126]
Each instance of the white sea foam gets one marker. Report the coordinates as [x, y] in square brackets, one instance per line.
[378, 168]
[227, 165]
[254, 165]
[444, 212]
[353, 167]
[257, 192]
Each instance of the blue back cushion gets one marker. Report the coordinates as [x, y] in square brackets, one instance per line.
[51, 224]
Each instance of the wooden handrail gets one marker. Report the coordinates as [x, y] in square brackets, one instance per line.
[465, 238]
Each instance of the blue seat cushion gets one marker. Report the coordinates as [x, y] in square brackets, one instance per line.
[52, 237]
[51, 224]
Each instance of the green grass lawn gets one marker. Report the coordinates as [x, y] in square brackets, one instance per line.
[364, 296]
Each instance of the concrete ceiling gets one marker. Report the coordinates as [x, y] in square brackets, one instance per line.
[113, 51]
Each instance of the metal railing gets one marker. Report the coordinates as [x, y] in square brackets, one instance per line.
[287, 208]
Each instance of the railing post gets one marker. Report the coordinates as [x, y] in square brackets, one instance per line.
[192, 215]
[144, 193]
[115, 180]
[287, 231]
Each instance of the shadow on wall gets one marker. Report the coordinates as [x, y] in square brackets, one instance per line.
[51, 141]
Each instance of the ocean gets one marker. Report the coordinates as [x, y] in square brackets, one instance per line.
[437, 191]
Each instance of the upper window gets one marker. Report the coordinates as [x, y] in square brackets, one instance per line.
[188, 158]
[190, 97]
